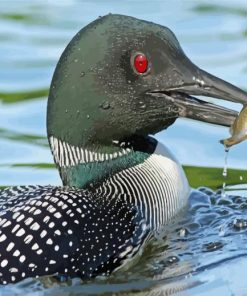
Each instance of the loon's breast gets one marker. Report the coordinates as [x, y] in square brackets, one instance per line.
[158, 187]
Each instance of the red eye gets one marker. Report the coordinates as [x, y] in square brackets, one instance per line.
[141, 63]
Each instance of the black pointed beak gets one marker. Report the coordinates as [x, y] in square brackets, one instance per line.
[200, 83]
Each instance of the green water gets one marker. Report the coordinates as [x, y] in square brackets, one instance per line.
[204, 248]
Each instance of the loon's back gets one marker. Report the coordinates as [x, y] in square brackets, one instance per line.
[52, 230]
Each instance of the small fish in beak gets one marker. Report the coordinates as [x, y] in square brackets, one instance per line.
[238, 130]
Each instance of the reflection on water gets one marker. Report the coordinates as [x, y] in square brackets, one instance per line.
[208, 239]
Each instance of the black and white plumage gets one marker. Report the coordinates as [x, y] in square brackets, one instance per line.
[47, 230]
[52, 230]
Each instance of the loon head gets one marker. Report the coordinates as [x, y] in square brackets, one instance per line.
[119, 79]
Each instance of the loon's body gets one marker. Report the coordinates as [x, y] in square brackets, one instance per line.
[86, 232]
[119, 80]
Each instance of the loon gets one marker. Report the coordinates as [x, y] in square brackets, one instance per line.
[119, 80]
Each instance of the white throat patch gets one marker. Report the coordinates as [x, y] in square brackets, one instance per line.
[69, 155]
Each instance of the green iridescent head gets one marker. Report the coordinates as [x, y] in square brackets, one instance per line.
[121, 78]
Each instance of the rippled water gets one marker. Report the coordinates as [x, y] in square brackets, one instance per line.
[204, 249]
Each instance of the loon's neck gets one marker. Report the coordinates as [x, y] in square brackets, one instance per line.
[142, 172]
[81, 167]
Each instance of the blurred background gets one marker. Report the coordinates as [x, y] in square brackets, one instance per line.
[33, 35]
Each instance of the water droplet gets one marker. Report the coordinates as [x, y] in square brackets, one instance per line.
[240, 224]
[224, 173]
[105, 105]
[222, 230]
[66, 111]
[82, 74]
[88, 116]
[76, 60]
[183, 232]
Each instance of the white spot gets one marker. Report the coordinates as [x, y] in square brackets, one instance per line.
[51, 209]
[20, 232]
[3, 238]
[60, 203]
[35, 226]
[4, 263]
[22, 258]
[79, 210]
[7, 224]
[35, 246]
[10, 246]
[15, 228]
[52, 262]
[49, 241]
[43, 233]
[15, 215]
[39, 252]
[16, 253]
[57, 215]
[45, 204]
[52, 224]
[56, 248]
[28, 239]
[20, 218]
[28, 221]
[37, 212]
[58, 232]
[46, 219]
